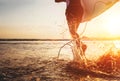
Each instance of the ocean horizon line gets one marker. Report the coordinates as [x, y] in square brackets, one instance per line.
[35, 39]
[30, 39]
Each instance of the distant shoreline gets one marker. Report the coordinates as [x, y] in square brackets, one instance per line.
[86, 39]
[34, 39]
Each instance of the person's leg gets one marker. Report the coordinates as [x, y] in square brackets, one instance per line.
[73, 24]
[74, 20]
[73, 28]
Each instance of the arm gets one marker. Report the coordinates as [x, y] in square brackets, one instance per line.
[60, 0]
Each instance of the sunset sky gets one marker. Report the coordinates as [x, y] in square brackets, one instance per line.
[45, 19]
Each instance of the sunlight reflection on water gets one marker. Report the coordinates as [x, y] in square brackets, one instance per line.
[23, 53]
[47, 49]
[117, 43]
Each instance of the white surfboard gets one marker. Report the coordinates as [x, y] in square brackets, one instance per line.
[93, 8]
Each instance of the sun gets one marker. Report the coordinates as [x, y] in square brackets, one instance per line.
[113, 27]
[112, 20]
[113, 24]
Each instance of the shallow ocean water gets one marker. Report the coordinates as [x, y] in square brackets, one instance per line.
[36, 60]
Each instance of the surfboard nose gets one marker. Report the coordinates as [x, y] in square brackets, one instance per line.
[93, 8]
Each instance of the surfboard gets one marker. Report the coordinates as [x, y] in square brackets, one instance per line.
[93, 8]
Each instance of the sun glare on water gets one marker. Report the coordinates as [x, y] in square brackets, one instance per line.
[117, 44]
